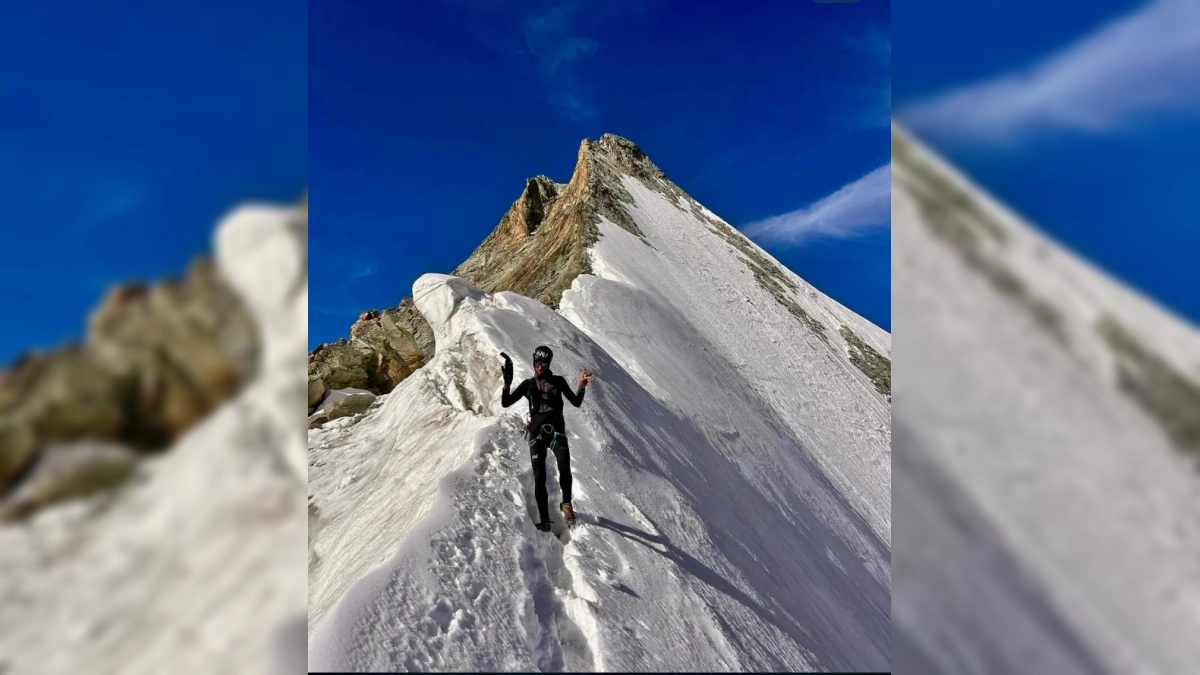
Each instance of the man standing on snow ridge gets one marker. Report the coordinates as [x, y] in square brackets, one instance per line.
[546, 428]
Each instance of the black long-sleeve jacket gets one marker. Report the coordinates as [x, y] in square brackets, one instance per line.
[545, 396]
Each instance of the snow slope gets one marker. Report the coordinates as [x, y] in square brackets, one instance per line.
[1051, 498]
[732, 479]
[193, 567]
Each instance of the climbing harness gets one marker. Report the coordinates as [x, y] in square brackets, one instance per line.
[545, 429]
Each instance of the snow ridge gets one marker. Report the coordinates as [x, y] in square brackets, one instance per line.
[731, 473]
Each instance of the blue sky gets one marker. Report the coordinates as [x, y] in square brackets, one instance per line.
[126, 132]
[1083, 117]
[426, 118]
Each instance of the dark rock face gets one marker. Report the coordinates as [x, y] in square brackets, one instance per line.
[384, 348]
[537, 250]
[165, 353]
[70, 472]
[541, 243]
[351, 405]
[179, 350]
[337, 365]
[157, 358]
[873, 364]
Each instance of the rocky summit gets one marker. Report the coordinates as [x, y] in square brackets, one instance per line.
[537, 250]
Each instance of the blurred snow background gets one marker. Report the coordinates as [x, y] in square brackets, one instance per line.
[1046, 357]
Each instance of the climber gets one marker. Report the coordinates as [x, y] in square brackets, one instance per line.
[546, 428]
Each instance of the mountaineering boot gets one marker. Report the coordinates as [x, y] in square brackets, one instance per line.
[544, 526]
[568, 513]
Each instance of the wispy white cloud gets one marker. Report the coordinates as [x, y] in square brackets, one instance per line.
[1133, 69]
[555, 37]
[872, 101]
[853, 210]
[558, 45]
[551, 39]
[362, 272]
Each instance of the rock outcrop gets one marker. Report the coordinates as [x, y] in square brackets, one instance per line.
[70, 472]
[537, 250]
[350, 405]
[341, 403]
[157, 358]
[188, 344]
[384, 348]
[541, 243]
[337, 365]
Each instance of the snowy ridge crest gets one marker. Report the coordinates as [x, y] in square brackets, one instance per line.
[731, 462]
[425, 538]
[545, 241]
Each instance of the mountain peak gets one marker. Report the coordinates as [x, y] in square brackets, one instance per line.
[685, 324]
[619, 155]
[612, 144]
[540, 245]
[527, 213]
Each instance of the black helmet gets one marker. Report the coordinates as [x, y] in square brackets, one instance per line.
[542, 355]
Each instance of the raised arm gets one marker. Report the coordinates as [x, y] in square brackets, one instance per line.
[507, 399]
[575, 397]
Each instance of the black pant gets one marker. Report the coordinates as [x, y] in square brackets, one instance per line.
[538, 442]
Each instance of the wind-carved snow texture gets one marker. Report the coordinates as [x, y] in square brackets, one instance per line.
[193, 567]
[1074, 507]
[731, 476]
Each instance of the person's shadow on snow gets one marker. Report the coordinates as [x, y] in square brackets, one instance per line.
[660, 545]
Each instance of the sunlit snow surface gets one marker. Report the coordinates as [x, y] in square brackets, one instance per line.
[732, 479]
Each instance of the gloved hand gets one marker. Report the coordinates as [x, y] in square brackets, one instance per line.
[506, 370]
